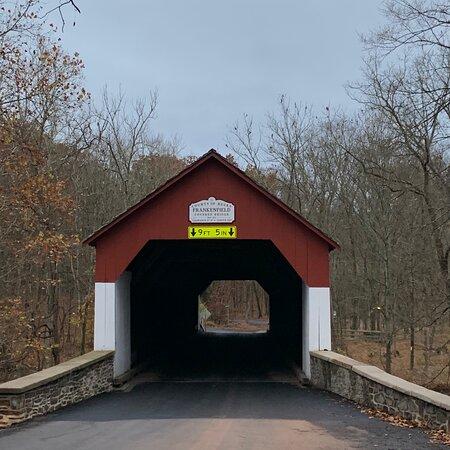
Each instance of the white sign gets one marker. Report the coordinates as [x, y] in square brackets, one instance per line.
[211, 211]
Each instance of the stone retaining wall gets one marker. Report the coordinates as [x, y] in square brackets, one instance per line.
[372, 387]
[53, 388]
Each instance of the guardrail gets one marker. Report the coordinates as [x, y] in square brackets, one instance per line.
[64, 384]
[371, 335]
[373, 387]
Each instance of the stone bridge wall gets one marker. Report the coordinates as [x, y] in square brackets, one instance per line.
[374, 388]
[50, 389]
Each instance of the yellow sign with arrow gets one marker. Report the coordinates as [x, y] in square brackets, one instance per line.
[219, 232]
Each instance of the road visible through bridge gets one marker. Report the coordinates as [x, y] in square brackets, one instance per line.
[212, 415]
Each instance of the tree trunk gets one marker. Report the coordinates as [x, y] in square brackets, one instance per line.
[412, 338]
[426, 352]
[389, 353]
[84, 327]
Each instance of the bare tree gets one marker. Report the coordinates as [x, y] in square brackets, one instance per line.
[422, 23]
[124, 136]
[413, 101]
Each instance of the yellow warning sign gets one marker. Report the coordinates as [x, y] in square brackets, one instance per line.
[219, 232]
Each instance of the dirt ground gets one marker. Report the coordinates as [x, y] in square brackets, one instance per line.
[436, 377]
[251, 325]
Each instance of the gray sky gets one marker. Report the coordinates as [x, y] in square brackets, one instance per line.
[211, 61]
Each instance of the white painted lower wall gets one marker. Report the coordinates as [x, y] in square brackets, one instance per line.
[112, 321]
[104, 316]
[316, 322]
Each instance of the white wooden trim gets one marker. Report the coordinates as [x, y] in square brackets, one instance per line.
[122, 356]
[316, 322]
[112, 327]
[104, 319]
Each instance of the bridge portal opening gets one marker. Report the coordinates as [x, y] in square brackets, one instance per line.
[233, 306]
[168, 277]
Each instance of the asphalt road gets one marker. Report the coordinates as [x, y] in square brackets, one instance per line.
[205, 416]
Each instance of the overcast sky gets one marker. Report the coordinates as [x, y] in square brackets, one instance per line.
[211, 61]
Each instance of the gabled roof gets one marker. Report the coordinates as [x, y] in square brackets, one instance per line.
[212, 154]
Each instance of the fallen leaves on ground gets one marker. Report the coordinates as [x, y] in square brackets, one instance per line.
[436, 436]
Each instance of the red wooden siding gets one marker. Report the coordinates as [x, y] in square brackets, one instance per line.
[257, 217]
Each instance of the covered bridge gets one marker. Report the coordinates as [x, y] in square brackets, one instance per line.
[209, 222]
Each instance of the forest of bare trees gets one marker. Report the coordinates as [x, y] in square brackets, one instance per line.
[376, 180]
[240, 305]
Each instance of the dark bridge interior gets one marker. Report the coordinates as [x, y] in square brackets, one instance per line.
[167, 278]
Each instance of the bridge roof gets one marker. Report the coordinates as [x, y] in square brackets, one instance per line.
[212, 154]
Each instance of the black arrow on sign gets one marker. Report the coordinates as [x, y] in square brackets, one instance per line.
[231, 232]
[193, 233]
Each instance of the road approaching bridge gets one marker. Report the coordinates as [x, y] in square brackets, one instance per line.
[246, 415]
